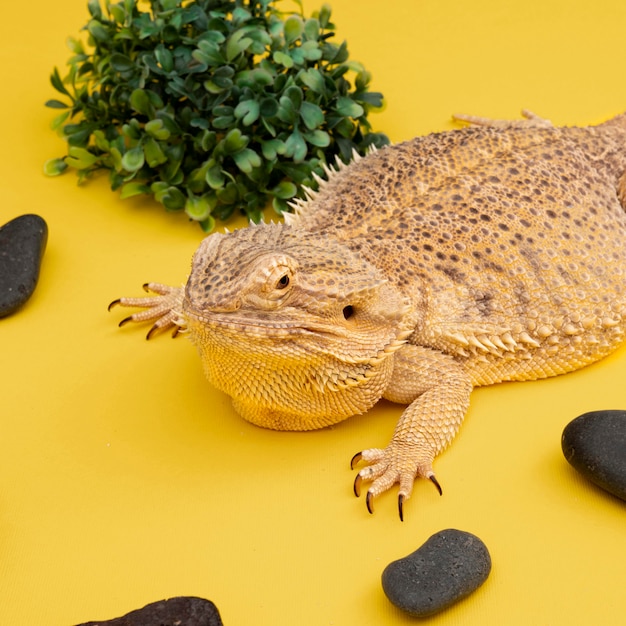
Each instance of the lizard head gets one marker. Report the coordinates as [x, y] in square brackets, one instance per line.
[296, 328]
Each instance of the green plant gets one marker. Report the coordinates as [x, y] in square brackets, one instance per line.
[210, 105]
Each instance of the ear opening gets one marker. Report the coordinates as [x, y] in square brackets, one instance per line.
[348, 311]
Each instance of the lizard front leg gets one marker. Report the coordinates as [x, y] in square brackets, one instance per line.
[163, 309]
[437, 390]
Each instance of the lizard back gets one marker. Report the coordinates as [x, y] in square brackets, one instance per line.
[510, 242]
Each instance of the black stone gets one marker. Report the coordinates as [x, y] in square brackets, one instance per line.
[182, 611]
[22, 244]
[447, 568]
[595, 444]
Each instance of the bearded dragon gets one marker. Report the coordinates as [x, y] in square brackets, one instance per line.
[494, 252]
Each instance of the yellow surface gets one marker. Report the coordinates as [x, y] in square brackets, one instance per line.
[125, 478]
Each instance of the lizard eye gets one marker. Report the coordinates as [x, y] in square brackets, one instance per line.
[278, 281]
[348, 311]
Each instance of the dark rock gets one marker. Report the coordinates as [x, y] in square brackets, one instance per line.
[22, 244]
[183, 611]
[595, 444]
[447, 568]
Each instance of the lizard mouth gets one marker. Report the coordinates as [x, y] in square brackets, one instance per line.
[239, 323]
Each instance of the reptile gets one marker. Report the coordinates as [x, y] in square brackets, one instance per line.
[493, 252]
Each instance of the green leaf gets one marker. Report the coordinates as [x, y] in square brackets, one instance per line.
[56, 104]
[372, 99]
[171, 198]
[272, 148]
[247, 160]
[255, 79]
[297, 56]
[121, 63]
[133, 189]
[98, 31]
[237, 43]
[312, 115]
[134, 159]
[57, 83]
[101, 141]
[222, 123]
[344, 129]
[268, 107]
[199, 122]
[295, 147]
[295, 94]
[77, 134]
[116, 158]
[117, 13]
[140, 101]
[241, 15]
[164, 58]
[229, 194]
[215, 177]
[312, 29]
[287, 112]
[235, 141]
[80, 158]
[75, 45]
[59, 120]
[318, 138]
[208, 140]
[284, 190]
[324, 16]
[348, 107]
[293, 29]
[311, 51]
[248, 112]
[157, 129]
[313, 79]
[212, 87]
[54, 167]
[94, 8]
[282, 59]
[132, 130]
[199, 207]
[153, 153]
[207, 224]
[209, 53]
[175, 154]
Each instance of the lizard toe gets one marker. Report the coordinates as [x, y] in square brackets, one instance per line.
[161, 309]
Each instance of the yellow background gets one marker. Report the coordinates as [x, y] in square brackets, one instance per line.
[125, 478]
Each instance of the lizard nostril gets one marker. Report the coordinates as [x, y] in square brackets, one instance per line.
[348, 312]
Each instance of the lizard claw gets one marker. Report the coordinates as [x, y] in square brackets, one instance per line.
[369, 501]
[435, 482]
[369, 498]
[355, 460]
[401, 506]
[125, 321]
[114, 303]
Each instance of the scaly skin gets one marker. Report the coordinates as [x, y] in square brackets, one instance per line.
[490, 253]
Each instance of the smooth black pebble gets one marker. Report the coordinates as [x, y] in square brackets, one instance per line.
[595, 444]
[182, 611]
[447, 568]
[22, 244]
